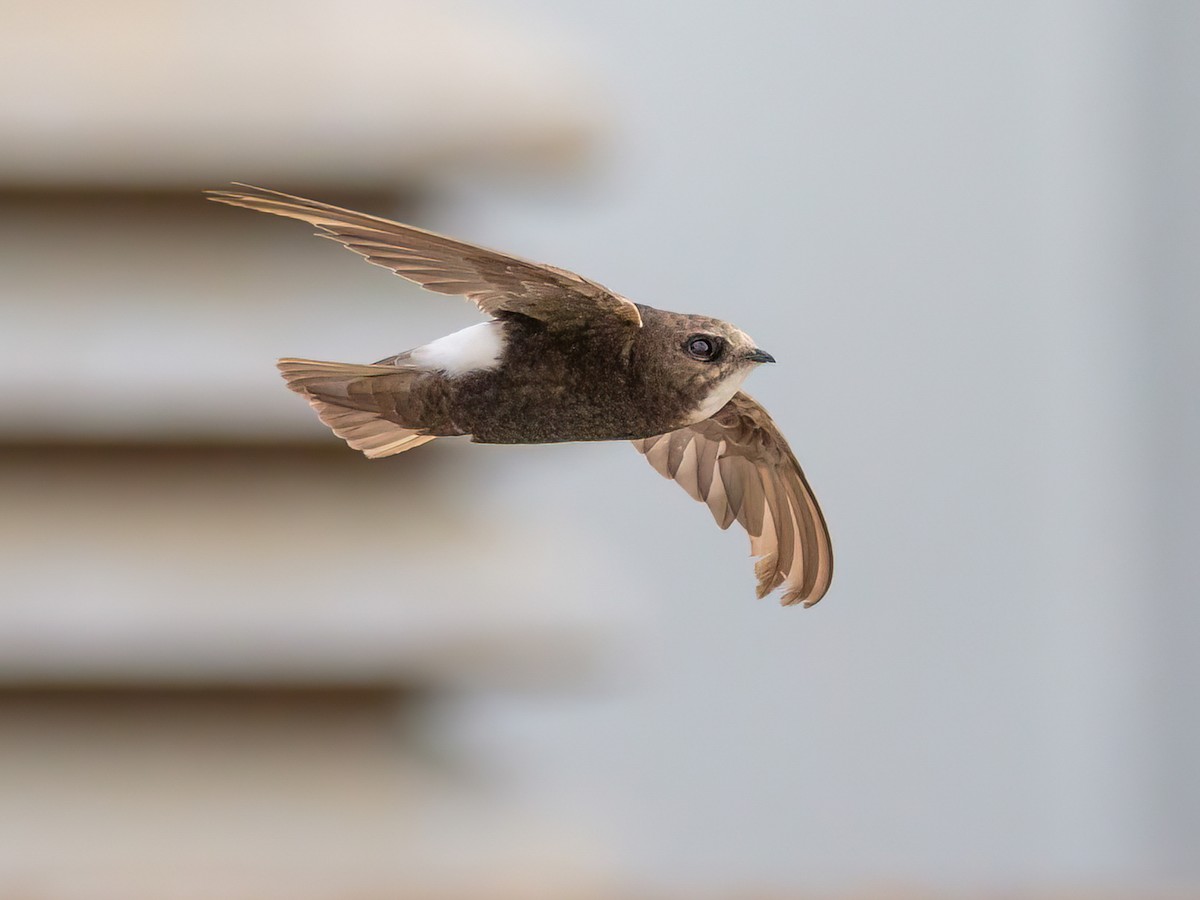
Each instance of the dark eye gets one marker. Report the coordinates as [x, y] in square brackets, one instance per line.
[704, 346]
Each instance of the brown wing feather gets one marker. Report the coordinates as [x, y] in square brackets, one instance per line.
[494, 281]
[746, 472]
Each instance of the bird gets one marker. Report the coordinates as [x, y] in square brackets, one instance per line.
[563, 358]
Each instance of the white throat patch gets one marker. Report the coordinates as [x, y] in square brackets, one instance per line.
[477, 347]
[721, 395]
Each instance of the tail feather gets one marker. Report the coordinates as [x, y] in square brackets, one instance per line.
[356, 419]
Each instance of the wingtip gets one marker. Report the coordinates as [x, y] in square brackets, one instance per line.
[230, 198]
[224, 195]
[792, 598]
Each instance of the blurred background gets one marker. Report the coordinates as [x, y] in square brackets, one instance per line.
[238, 659]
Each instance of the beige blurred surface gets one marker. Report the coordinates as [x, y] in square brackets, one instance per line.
[137, 92]
[261, 565]
[239, 660]
[224, 643]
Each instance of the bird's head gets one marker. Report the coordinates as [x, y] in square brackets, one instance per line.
[717, 344]
[704, 357]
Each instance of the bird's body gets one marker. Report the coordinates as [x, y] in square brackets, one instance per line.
[513, 381]
[565, 359]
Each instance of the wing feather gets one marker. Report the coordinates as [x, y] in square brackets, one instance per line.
[495, 282]
[745, 471]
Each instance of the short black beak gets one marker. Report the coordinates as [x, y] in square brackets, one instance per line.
[759, 356]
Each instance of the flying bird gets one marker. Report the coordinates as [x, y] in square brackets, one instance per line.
[563, 358]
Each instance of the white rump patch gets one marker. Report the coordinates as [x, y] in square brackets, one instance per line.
[721, 394]
[477, 347]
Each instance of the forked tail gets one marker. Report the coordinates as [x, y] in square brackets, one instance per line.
[356, 402]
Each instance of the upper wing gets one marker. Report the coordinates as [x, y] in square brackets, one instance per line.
[495, 281]
[741, 466]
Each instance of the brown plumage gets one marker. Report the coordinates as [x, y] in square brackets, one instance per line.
[566, 359]
[738, 463]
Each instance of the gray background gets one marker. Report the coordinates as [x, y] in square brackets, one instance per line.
[968, 232]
